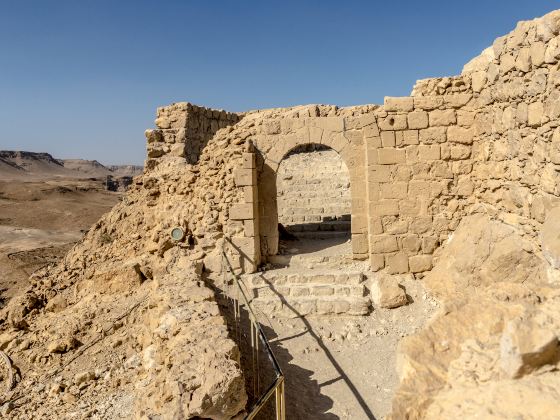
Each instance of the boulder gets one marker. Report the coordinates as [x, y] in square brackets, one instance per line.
[388, 293]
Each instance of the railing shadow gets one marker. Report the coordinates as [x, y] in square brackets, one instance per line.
[293, 395]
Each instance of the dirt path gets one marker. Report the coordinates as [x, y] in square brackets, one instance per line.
[344, 367]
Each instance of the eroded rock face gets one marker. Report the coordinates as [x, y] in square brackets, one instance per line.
[480, 253]
[492, 331]
[550, 238]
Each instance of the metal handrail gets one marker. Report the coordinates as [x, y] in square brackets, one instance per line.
[277, 387]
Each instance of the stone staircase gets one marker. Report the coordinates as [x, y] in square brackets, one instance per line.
[314, 195]
[310, 284]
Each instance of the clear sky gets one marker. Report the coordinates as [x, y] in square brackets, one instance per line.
[82, 78]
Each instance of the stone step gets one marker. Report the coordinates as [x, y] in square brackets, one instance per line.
[297, 307]
[287, 220]
[289, 293]
[327, 225]
[322, 235]
[302, 261]
[288, 277]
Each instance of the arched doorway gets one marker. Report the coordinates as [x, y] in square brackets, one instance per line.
[313, 198]
[308, 192]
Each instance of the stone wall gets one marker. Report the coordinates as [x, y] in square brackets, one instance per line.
[486, 140]
[184, 130]
[517, 148]
[314, 193]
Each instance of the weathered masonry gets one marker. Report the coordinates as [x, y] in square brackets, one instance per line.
[488, 138]
[406, 160]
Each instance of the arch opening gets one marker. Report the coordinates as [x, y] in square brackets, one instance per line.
[309, 202]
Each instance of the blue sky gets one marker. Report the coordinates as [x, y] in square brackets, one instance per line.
[83, 78]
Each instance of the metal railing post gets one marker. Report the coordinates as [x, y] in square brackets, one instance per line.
[277, 387]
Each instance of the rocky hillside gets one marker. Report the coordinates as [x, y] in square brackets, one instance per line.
[127, 326]
[17, 164]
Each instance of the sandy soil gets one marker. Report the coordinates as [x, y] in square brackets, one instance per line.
[344, 367]
[341, 367]
[39, 222]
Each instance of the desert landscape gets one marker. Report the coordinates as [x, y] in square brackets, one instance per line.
[385, 261]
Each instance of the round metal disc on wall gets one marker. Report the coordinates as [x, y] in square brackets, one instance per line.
[177, 234]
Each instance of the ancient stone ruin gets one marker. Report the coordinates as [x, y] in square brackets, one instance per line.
[457, 185]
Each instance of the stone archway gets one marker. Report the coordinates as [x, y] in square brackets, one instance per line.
[327, 131]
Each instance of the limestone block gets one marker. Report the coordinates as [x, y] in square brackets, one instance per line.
[153, 136]
[417, 119]
[249, 228]
[445, 151]
[403, 172]
[535, 113]
[409, 207]
[537, 50]
[478, 80]
[460, 135]
[432, 135]
[155, 150]
[244, 246]
[410, 137]
[427, 102]
[397, 263]
[399, 104]
[419, 188]
[366, 120]
[244, 177]
[242, 211]
[429, 244]
[411, 154]
[376, 261]
[359, 224]
[555, 147]
[507, 63]
[523, 60]
[337, 142]
[249, 161]
[389, 156]
[552, 52]
[271, 127]
[387, 293]
[370, 131]
[442, 117]
[335, 124]
[178, 150]
[428, 152]
[163, 122]
[379, 173]
[399, 138]
[456, 100]
[441, 169]
[393, 122]
[550, 237]
[382, 244]
[388, 139]
[420, 263]
[384, 208]
[394, 190]
[411, 244]
[459, 152]
[465, 187]
[421, 224]
[360, 243]
[250, 194]
[465, 118]
[375, 225]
